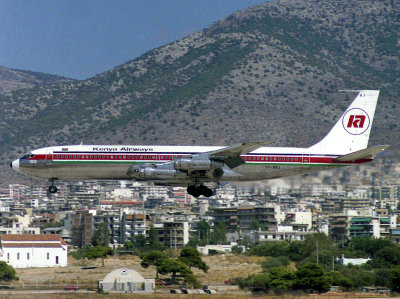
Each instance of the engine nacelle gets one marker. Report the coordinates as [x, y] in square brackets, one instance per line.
[196, 164]
[152, 173]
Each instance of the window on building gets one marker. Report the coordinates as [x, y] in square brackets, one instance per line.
[17, 255]
[27, 256]
[8, 256]
[48, 255]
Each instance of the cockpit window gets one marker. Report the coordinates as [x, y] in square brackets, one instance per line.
[27, 156]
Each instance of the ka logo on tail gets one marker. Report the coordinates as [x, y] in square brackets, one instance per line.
[356, 121]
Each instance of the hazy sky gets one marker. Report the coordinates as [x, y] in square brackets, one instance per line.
[79, 39]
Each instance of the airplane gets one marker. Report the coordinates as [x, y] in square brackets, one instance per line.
[195, 166]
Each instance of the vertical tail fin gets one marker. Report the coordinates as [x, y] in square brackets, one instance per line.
[351, 131]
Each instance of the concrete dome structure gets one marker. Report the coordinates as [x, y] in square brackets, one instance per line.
[126, 281]
[123, 275]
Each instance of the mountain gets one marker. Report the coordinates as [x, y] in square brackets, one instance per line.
[11, 79]
[270, 72]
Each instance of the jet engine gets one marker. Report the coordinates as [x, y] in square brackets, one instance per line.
[149, 172]
[190, 164]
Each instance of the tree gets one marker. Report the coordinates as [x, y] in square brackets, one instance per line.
[218, 235]
[153, 241]
[7, 272]
[98, 252]
[338, 279]
[381, 277]
[311, 241]
[255, 224]
[282, 278]
[386, 257]
[395, 279]
[140, 241]
[173, 266]
[153, 258]
[256, 282]
[358, 276]
[274, 262]
[274, 249]
[203, 231]
[128, 245]
[296, 251]
[370, 246]
[312, 278]
[101, 236]
[192, 258]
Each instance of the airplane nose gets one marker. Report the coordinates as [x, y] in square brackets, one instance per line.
[15, 165]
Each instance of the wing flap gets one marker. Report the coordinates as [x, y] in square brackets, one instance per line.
[368, 153]
[238, 149]
[231, 154]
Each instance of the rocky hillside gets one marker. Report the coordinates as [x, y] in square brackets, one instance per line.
[270, 72]
[11, 79]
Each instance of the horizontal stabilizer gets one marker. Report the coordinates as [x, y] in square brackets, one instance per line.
[368, 153]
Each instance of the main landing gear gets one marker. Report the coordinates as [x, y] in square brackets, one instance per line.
[196, 191]
[53, 189]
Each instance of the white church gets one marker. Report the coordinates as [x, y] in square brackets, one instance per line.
[29, 251]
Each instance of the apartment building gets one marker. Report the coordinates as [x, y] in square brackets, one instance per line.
[245, 218]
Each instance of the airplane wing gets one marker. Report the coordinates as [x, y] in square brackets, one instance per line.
[231, 155]
[368, 153]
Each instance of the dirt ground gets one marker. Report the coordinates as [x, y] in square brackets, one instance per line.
[222, 267]
[49, 282]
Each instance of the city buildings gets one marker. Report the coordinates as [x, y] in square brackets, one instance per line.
[343, 204]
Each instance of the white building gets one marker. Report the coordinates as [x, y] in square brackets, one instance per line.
[126, 281]
[205, 250]
[28, 251]
[354, 261]
[19, 230]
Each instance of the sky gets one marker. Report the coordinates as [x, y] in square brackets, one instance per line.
[81, 38]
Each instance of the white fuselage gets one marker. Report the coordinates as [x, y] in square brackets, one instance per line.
[113, 162]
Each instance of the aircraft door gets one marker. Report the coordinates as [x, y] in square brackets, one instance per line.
[306, 160]
[49, 156]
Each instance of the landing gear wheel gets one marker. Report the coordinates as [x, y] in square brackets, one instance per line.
[207, 192]
[53, 189]
[200, 190]
[194, 191]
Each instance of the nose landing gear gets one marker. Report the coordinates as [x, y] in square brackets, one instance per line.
[53, 189]
[196, 191]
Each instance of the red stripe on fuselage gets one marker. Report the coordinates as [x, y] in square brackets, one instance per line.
[168, 157]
